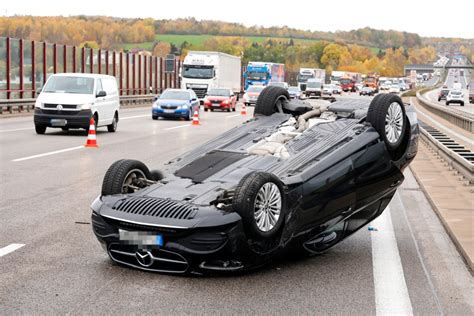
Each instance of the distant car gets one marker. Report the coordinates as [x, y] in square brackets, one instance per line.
[367, 91]
[70, 100]
[283, 85]
[394, 88]
[175, 103]
[220, 99]
[386, 85]
[442, 94]
[455, 96]
[337, 89]
[295, 92]
[328, 89]
[251, 95]
[314, 87]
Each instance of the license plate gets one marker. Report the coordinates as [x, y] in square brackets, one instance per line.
[168, 111]
[141, 238]
[216, 105]
[58, 122]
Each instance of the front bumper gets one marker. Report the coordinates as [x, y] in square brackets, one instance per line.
[312, 93]
[73, 119]
[218, 106]
[198, 248]
[173, 113]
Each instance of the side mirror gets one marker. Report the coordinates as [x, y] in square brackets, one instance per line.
[193, 99]
[101, 94]
[38, 91]
[155, 98]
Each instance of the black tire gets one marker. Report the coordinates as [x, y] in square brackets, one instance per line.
[40, 129]
[190, 116]
[378, 109]
[244, 203]
[370, 110]
[462, 103]
[206, 109]
[118, 173]
[156, 175]
[113, 127]
[447, 103]
[154, 117]
[268, 99]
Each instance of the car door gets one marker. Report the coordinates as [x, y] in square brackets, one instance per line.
[101, 104]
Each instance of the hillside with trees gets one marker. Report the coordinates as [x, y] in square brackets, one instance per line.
[363, 50]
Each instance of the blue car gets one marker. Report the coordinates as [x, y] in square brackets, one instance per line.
[175, 103]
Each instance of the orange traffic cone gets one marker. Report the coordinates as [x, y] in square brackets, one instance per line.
[243, 110]
[91, 138]
[196, 118]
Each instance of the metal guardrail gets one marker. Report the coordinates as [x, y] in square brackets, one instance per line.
[21, 105]
[461, 119]
[454, 154]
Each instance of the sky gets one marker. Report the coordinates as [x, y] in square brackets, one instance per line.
[427, 18]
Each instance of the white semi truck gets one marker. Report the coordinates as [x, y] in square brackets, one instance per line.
[202, 71]
[310, 73]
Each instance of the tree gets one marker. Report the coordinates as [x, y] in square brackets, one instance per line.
[161, 49]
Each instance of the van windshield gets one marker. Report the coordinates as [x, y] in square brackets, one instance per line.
[69, 84]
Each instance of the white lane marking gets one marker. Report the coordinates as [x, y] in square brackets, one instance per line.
[391, 293]
[10, 248]
[132, 117]
[235, 115]
[47, 154]
[16, 130]
[175, 127]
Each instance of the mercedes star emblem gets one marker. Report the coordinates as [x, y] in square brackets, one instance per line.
[144, 258]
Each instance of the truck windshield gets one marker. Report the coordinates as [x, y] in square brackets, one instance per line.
[345, 81]
[174, 95]
[66, 84]
[198, 72]
[256, 75]
[304, 78]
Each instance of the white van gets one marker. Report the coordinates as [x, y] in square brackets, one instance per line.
[70, 100]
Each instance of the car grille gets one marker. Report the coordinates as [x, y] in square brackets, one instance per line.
[65, 106]
[164, 208]
[170, 107]
[162, 260]
[68, 112]
[200, 92]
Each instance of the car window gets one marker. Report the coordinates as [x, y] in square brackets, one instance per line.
[98, 86]
[110, 86]
[69, 84]
[175, 95]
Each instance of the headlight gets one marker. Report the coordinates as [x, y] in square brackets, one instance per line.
[156, 105]
[86, 106]
[184, 106]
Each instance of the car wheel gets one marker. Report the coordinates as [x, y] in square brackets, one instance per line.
[387, 116]
[190, 115]
[462, 103]
[113, 127]
[271, 100]
[40, 129]
[206, 109]
[125, 176]
[212, 110]
[259, 199]
[447, 103]
[154, 117]
[370, 111]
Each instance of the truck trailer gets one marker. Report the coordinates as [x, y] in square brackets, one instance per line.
[202, 71]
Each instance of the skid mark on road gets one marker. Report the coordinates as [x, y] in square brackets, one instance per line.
[391, 292]
[10, 248]
[48, 154]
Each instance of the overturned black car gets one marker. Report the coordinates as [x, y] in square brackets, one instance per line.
[295, 177]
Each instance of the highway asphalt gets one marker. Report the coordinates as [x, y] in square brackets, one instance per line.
[409, 265]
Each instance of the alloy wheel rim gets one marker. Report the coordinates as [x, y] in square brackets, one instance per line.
[394, 122]
[131, 180]
[267, 208]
